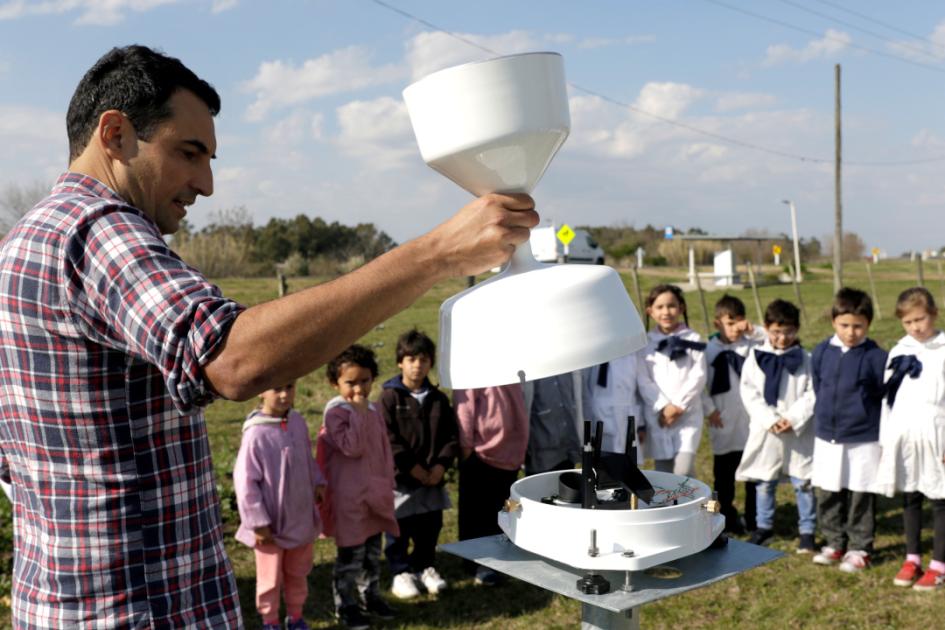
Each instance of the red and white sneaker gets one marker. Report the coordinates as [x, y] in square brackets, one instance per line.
[828, 556]
[855, 561]
[931, 581]
[908, 574]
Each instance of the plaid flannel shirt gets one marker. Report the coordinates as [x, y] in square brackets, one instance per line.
[103, 332]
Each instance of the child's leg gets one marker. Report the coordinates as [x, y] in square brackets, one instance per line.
[349, 564]
[750, 506]
[371, 575]
[832, 511]
[861, 520]
[426, 535]
[806, 506]
[766, 495]
[268, 581]
[684, 463]
[663, 465]
[723, 471]
[938, 542]
[912, 524]
[483, 490]
[296, 565]
[396, 547]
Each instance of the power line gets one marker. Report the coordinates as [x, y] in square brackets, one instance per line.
[883, 24]
[831, 18]
[669, 121]
[827, 36]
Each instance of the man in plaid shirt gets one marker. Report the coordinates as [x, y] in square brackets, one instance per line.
[110, 346]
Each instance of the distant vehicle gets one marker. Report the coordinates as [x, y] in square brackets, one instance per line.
[582, 249]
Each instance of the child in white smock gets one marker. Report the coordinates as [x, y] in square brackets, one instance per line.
[611, 397]
[671, 382]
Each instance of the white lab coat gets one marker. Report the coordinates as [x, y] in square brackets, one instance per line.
[735, 422]
[912, 433]
[661, 382]
[614, 403]
[767, 456]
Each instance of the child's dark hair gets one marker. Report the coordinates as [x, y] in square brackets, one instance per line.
[782, 313]
[353, 355]
[413, 343]
[731, 306]
[659, 290]
[916, 297]
[850, 301]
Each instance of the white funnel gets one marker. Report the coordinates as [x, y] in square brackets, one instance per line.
[493, 126]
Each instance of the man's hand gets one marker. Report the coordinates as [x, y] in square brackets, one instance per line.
[715, 419]
[484, 233]
[263, 535]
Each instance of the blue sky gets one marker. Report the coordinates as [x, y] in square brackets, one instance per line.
[313, 120]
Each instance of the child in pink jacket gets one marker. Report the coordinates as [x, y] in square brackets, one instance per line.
[354, 453]
[278, 486]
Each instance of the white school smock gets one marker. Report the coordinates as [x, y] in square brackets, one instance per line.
[912, 433]
[614, 403]
[733, 434]
[767, 456]
[662, 381]
[848, 466]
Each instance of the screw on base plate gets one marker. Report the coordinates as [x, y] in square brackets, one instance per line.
[593, 584]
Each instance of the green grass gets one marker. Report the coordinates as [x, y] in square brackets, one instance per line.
[788, 592]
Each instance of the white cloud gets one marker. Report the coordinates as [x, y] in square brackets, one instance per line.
[297, 128]
[743, 100]
[219, 6]
[928, 139]
[91, 12]
[280, 84]
[668, 100]
[378, 131]
[932, 49]
[33, 145]
[829, 45]
[604, 42]
[429, 52]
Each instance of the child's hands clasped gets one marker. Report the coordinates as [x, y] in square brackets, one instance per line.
[435, 475]
[263, 536]
[670, 414]
[715, 419]
[783, 425]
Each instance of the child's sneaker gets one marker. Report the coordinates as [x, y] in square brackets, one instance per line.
[432, 581]
[486, 577]
[405, 586]
[855, 561]
[931, 581]
[760, 536]
[352, 618]
[828, 556]
[806, 544]
[375, 605]
[908, 574]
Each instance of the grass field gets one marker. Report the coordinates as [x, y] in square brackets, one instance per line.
[790, 592]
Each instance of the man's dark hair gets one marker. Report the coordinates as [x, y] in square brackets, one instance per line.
[413, 343]
[849, 301]
[353, 355]
[782, 313]
[136, 81]
[729, 305]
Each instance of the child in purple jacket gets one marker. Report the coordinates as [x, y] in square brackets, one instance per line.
[278, 486]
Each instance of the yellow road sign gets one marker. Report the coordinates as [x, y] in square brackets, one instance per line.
[565, 234]
[776, 249]
[876, 251]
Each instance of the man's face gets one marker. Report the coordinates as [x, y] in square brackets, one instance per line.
[851, 329]
[165, 174]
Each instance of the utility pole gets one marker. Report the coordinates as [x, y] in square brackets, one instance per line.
[838, 197]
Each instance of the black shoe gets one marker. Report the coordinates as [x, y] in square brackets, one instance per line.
[806, 544]
[379, 608]
[352, 617]
[761, 537]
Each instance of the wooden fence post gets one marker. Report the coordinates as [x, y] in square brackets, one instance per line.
[754, 292]
[876, 309]
[797, 295]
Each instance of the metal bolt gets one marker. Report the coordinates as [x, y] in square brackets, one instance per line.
[592, 551]
[628, 553]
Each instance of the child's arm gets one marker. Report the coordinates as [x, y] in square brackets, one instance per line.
[404, 458]
[343, 427]
[464, 404]
[247, 477]
[800, 412]
[694, 383]
[654, 400]
[751, 389]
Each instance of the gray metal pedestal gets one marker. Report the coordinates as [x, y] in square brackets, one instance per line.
[618, 609]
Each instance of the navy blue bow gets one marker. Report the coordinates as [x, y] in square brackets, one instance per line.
[721, 382]
[773, 365]
[675, 347]
[901, 366]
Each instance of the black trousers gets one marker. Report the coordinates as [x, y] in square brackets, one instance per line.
[912, 523]
[424, 531]
[483, 490]
[723, 469]
[847, 519]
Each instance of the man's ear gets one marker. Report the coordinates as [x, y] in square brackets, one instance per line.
[113, 134]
